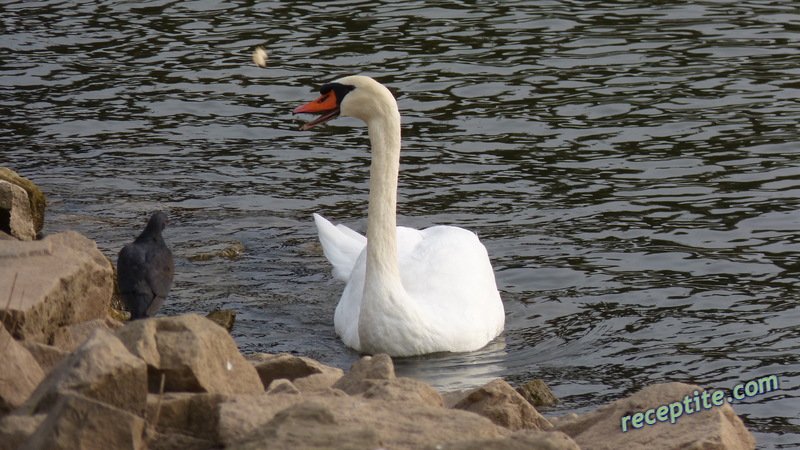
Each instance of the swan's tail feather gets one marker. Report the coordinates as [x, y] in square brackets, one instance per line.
[341, 246]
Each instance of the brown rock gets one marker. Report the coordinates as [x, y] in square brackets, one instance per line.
[223, 317]
[101, 369]
[357, 422]
[319, 381]
[537, 393]
[500, 403]
[402, 389]
[309, 425]
[15, 430]
[520, 440]
[35, 196]
[193, 353]
[46, 355]
[61, 280]
[282, 386]
[68, 338]
[20, 373]
[306, 373]
[176, 441]
[80, 422]
[192, 414]
[714, 428]
[241, 414]
[377, 367]
[17, 217]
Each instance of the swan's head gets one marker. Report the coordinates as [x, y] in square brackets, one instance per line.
[354, 96]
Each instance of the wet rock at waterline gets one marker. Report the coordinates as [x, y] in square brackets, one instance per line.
[223, 317]
[22, 206]
[537, 393]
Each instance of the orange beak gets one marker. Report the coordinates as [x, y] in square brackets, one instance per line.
[327, 106]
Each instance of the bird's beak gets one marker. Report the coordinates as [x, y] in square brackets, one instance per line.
[327, 106]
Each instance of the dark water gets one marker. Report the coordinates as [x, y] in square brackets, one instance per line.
[632, 167]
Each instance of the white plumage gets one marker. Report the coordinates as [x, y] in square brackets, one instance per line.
[408, 292]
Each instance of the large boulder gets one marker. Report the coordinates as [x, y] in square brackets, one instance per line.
[357, 422]
[716, 428]
[192, 353]
[20, 373]
[61, 280]
[101, 369]
[23, 204]
[80, 422]
[503, 405]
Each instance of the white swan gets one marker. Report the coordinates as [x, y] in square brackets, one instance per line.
[409, 292]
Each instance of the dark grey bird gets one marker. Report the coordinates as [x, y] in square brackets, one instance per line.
[145, 268]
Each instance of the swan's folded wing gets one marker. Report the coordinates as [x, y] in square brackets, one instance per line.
[341, 246]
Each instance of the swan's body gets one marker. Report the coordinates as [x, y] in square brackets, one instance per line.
[408, 292]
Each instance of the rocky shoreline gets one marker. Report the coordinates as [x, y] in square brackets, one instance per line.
[75, 376]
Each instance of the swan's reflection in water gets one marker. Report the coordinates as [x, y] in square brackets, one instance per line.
[456, 371]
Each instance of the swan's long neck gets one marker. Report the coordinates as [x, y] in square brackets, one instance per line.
[384, 133]
[389, 320]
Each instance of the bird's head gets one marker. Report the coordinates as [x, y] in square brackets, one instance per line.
[354, 96]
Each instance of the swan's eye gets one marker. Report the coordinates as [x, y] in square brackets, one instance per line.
[323, 99]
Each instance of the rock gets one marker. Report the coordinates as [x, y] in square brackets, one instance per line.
[500, 403]
[292, 429]
[282, 386]
[20, 373]
[715, 428]
[223, 317]
[520, 440]
[17, 217]
[241, 414]
[377, 367]
[80, 422]
[232, 251]
[193, 353]
[35, 196]
[402, 389]
[61, 280]
[537, 393]
[46, 355]
[15, 430]
[356, 422]
[306, 373]
[68, 338]
[176, 441]
[185, 413]
[319, 381]
[101, 369]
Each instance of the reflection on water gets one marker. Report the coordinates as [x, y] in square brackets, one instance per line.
[631, 167]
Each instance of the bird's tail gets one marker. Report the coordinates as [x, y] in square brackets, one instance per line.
[341, 246]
